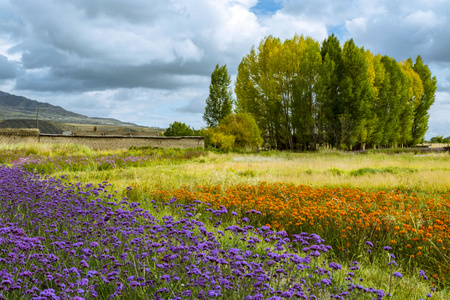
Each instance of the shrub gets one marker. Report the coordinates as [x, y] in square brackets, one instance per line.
[179, 129]
[244, 128]
[222, 140]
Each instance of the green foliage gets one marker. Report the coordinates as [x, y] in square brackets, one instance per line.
[244, 129]
[236, 131]
[424, 102]
[219, 103]
[390, 170]
[440, 139]
[179, 129]
[302, 94]
[221, 140]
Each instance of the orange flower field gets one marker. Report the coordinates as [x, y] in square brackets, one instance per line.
[416, 227]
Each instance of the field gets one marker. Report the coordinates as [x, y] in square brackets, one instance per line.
[192, 224]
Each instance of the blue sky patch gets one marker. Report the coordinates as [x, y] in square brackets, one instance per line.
[267, 7]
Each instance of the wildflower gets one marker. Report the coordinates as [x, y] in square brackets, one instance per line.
[335, 266]
[369, 243]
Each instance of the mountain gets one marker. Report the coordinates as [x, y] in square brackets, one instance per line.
[18, 107]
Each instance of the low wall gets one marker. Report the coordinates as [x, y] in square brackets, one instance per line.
[121, 142]
[100, 142]
[16, 136]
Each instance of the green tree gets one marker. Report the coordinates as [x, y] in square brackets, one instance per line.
[330, 92]
[179, 129]
[301, 94]
[355, 94]
[305, 105]
[423, 103]
[376, 115]
[220, 140]
[413, 89]
[244, 129]
[219, 103]
[257, 91]
[438, 139]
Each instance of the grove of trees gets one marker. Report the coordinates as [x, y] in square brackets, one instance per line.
[303, 94]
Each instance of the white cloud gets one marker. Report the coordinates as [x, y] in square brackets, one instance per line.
[285, 26]
[130, 59]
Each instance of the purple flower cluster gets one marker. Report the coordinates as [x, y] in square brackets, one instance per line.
[68, 241]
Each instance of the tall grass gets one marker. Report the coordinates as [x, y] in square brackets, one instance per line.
[169, 170]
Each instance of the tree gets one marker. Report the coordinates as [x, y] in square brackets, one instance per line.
[301, 95]
[244, 129]
[423, 103]
[329, 89]
[257, 90]
[219, 103]
[179, 129]
[355, 94]
[438, 139]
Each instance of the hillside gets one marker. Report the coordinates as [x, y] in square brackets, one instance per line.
[18, 107]
[44, 126]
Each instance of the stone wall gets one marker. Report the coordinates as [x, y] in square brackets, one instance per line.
[121, 142]
[16, 136]
[100, 142]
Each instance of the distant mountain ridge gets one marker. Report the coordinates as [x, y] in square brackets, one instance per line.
[18, 107]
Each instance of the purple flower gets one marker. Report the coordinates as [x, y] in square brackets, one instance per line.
[369, 243]
[397, 274]
[387, 248]
[134, 284]
[47, 293]
[84, 264]
[393, 262]
[335, 266]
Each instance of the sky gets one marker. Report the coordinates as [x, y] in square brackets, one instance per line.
[149, 62]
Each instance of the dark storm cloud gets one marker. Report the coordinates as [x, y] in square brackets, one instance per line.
[99, 76]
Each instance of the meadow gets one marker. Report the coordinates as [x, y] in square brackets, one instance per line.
[193, 224]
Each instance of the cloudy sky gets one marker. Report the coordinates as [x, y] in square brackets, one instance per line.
[149, 61]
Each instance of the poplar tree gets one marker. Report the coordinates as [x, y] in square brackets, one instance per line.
[423, 103]
[219, 103]
[331, 52]
[302, 94]
[355, 94]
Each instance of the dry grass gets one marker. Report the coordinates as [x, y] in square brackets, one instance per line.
[378, 171]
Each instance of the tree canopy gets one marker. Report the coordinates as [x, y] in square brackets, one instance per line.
[179, 129]
[303, 94]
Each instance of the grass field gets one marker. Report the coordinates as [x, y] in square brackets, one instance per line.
[355, 202]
